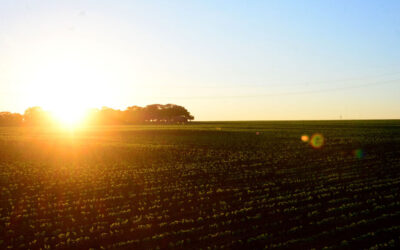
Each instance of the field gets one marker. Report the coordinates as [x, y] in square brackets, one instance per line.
[219, 185]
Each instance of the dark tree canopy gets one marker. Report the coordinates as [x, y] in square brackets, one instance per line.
[154, 113]
[150, 114]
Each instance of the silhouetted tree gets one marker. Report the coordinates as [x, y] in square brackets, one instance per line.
[109, 116]
[134, 115]
[10, 119]
[36, 116]
[168, 113]
[154, 113]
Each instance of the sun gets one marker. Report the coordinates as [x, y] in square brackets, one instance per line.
[70, 117]
[68, 76]
[67, 89]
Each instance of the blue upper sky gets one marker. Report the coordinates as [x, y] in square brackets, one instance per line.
[223, 60]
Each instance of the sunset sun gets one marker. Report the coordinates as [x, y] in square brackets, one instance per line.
[69, 92]
[68, 116]
[67, 87]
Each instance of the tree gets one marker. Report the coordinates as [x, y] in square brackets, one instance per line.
[36, 116]
[10, 119]
[109, 116]
[168, 113]
[154, 113]
[134, 115]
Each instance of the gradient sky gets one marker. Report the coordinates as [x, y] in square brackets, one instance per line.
[222, 60]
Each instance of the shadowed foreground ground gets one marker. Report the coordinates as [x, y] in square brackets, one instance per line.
[231, 184]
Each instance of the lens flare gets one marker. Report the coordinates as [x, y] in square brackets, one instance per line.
[317, 141]
[305, 138]
[358, 153]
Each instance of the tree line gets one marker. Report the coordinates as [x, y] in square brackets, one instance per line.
[150, 114]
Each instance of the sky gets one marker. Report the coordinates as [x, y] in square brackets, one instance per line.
[222, 60]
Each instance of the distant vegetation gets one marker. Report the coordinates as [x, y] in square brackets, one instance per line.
[155, 113]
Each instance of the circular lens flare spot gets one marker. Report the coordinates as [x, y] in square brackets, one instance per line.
[305, 138]
[317, 141]
[358, 153]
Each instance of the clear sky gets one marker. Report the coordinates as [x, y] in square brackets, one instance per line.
[222, 60]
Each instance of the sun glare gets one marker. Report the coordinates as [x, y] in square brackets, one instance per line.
[68, 87]
[69, 117]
